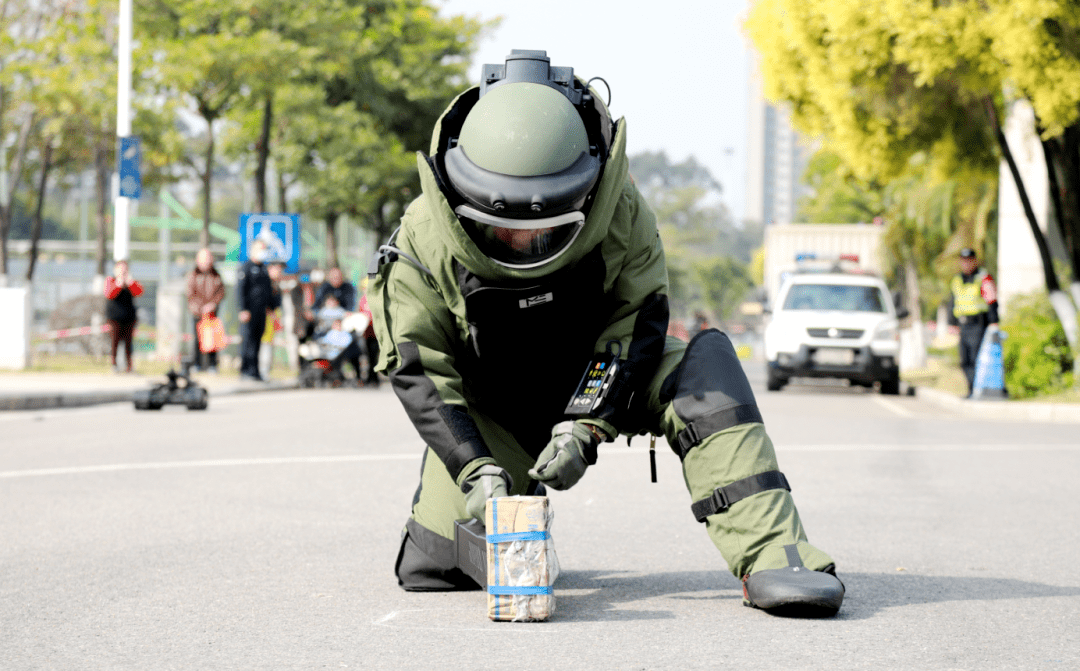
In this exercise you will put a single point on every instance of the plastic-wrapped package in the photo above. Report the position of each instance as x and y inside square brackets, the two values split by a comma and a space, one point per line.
[522, 564]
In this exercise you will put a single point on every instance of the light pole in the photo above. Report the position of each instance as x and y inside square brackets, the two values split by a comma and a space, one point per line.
[121, 226]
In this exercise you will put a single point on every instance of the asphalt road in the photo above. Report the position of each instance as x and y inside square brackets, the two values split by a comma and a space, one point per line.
[261, 535]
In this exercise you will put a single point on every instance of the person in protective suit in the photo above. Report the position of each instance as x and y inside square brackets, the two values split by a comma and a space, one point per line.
[530, 257]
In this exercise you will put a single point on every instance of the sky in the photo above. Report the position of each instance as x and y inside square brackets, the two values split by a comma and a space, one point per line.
[679, 70]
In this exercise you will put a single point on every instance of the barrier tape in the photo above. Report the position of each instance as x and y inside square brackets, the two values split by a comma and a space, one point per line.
[143, 333]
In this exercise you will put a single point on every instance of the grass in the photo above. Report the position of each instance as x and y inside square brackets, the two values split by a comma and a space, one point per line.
[943, 373]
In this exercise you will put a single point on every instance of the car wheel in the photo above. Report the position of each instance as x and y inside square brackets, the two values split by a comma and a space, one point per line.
[891, 386]
[773, 380]
[197, 399]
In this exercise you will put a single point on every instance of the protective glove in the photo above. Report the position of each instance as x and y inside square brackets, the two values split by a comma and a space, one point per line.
[571, 450]
[480, 480]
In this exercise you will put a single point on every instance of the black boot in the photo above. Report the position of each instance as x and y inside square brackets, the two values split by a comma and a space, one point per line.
[794, 591]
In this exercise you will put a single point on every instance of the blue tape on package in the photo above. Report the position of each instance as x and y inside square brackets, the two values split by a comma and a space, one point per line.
[519, 591]
[518, 536]
[494, 524]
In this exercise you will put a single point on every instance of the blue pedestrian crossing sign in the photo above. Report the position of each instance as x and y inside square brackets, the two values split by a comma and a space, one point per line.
[280, 232]
[130, 156]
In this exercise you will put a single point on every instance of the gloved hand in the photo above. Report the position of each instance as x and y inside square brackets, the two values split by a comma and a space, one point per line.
[571, 450]
[480, 480]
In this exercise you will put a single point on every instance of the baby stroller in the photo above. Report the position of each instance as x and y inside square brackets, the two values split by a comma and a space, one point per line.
[323, 353]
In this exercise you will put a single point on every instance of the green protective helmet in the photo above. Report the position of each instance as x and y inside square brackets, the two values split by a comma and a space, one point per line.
[525, 161]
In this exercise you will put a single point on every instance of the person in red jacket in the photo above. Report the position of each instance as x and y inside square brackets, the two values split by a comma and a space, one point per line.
[121, 290]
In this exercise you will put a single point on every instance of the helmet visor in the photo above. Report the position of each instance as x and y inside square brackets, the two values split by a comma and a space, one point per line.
[521, 243]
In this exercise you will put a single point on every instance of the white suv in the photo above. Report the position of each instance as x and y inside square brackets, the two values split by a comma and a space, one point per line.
[840, 325]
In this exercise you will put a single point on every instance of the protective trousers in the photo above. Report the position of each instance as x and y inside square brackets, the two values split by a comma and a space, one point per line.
[701, 401]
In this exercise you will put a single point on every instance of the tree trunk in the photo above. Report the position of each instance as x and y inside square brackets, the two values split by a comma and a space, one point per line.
[331, 240]
[208, 181]
[282, 188]
[7, 207]
[1049, 275]
[1063, 306]
[102, 173]
[1062, 156]
[382, 235]
[36, 222]
[263, 149]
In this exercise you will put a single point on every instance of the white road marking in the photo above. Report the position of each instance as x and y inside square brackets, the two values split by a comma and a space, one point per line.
[209, 463]
[386, 618]
[892, 406]
[356, 458]
[931, 447]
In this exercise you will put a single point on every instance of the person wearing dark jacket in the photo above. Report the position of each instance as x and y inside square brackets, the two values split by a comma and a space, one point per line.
[205, 291]
[121, 290]
[336, 286]
[255, 295]
[345, 293]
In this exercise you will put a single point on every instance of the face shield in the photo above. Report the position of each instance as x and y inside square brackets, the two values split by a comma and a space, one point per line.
[521, 243]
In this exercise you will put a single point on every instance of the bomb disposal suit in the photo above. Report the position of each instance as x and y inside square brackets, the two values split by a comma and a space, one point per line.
[529, 259]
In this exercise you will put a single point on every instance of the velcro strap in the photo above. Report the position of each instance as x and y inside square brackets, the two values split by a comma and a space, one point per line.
[723, 497]
[715, 422]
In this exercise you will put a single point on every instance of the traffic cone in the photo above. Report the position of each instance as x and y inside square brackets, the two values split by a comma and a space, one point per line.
[989, 367]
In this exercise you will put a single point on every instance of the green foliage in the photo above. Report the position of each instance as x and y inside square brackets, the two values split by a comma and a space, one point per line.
[1036, 354]
[838, 197]
[883, 84]
[705, 248]
[724, 282]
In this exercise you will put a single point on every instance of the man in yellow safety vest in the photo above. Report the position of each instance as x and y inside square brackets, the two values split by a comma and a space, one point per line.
[974, 307]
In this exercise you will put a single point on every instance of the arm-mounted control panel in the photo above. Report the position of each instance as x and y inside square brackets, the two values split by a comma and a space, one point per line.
[596, 384]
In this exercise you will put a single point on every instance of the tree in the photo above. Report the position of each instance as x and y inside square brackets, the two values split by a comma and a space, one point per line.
[883, 82]
[702, 242]
[24, 24]
[725, 282]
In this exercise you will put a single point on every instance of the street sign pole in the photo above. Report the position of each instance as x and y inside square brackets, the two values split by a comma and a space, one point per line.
[121, 225]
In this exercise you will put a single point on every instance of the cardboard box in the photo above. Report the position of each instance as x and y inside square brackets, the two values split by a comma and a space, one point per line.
[522, 566]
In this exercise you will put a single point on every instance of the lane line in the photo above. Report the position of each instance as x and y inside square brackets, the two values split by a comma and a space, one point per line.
[209, 463]
[930, 447]
[610, 451]
[892, 406]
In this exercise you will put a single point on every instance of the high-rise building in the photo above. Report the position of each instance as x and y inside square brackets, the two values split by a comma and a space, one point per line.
[776, 159]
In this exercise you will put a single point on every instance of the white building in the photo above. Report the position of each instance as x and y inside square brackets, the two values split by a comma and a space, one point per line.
[776, 158]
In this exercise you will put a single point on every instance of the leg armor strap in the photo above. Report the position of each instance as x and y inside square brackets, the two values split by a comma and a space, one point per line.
[723, 497]
[715, 422]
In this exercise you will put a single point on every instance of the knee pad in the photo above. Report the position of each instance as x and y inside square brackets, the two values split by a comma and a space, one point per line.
[709, 390]
[427, 562]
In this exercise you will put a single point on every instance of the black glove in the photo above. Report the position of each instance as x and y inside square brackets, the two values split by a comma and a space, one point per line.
[480, 480]
[571, 450]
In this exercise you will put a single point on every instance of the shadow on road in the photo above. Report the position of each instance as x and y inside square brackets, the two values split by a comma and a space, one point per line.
[870, 593]
[867, 593]
[612, 588]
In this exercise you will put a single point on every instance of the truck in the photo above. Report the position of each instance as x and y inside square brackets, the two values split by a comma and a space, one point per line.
[788, 244]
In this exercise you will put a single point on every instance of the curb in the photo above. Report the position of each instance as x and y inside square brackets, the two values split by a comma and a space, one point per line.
[60, 399]
[1011, 411]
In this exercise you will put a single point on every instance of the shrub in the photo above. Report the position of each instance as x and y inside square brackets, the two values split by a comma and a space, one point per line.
[1036, 354]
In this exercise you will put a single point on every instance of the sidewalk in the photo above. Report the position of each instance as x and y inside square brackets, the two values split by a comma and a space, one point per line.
[37, 391]
[1004, 410]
